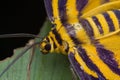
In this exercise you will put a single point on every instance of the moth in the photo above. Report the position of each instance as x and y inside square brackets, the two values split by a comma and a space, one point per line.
[88, 32]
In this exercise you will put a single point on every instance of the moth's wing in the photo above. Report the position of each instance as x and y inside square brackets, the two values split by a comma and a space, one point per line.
[102, 6]
[86, 64]
[49, 9]
[78, 69]
[109, 52]
[60, 10]
[91, 4]
[98, 61]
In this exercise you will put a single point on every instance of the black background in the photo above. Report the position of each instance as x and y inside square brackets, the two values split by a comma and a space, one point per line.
[19, 16]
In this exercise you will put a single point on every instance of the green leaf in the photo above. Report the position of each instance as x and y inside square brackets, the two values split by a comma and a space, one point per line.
[52, 66]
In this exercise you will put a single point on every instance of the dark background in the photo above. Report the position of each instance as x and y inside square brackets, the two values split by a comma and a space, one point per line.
[19, 16]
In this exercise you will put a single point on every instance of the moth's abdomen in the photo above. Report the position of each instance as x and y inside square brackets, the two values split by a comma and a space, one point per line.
[102, 25]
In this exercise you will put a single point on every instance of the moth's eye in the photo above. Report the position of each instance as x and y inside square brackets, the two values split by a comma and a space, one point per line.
[45, 47]
[48, 47]
[54, 25]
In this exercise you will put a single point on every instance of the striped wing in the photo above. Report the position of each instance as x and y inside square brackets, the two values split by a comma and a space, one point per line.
[57, 9]
[69, 10]
[100, 61]
[78, 68]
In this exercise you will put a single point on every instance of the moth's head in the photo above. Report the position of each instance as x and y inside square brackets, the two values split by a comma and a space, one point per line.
[48, 44]
[53, 43]
[45, 46]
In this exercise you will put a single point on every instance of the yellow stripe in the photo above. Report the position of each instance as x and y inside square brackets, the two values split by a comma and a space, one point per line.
[94, 27]
[55, 9]
[93, 55]
[114, 19]
[56, 14]
[103, 23]
[72, 13]
[57, 44]
[84, 66]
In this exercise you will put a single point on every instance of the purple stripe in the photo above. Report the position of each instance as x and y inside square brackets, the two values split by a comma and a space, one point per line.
[62, 10]
[95, 19]
[117, 13]
[81, 4]
[54, 44]
[57, 36]
[76, 66]
[109, 22]
[89, 63]
[49, 9]
[108, 58]
[107, 0]
[86, 25]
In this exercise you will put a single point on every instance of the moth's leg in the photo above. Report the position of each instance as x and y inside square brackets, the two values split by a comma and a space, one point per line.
[30, 60]
[74, 75]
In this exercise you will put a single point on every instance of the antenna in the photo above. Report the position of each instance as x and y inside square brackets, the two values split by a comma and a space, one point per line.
[18, 35]
[26, 48]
